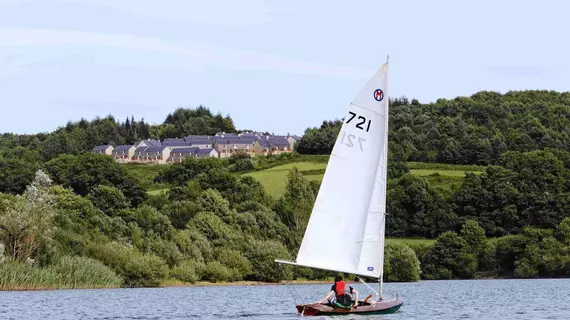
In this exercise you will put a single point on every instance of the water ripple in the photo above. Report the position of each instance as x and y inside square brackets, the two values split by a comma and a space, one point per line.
[426, 300]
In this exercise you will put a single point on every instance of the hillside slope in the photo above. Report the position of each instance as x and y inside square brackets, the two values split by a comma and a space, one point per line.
[438, 175]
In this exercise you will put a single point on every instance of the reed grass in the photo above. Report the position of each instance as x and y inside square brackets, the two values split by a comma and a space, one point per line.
[67, 273]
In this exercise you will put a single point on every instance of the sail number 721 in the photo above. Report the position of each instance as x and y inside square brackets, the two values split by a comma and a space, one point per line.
[348, 140]
[361, 120]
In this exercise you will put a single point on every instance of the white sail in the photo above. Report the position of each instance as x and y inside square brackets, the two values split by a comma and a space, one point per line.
[372, 253]
[344, 230]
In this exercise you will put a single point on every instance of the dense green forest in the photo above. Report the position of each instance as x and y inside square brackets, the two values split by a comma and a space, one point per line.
[70, 218]
[466, 130]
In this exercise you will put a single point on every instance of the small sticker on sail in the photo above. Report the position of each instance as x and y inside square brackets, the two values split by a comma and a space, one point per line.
[378, 95]
[370, 268]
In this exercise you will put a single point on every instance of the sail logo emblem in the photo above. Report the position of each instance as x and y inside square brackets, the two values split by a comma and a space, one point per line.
[370, 268]
[378, 95]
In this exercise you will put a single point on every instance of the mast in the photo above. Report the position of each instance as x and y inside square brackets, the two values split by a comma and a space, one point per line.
[385, 164]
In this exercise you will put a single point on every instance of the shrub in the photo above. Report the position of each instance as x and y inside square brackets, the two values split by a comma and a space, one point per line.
[138, 270]
[262, 255]
[217, 272]
[235, 261]
[401, 263]
[185, 272]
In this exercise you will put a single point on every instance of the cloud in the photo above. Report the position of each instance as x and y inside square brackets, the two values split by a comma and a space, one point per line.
[27, 37]
[203, 54]
[227, 13]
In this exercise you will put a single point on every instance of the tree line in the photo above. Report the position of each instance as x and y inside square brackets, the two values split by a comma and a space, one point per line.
[81, 136]
[465, 130]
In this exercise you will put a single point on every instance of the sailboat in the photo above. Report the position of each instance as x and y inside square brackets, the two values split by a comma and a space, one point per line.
[345, 232]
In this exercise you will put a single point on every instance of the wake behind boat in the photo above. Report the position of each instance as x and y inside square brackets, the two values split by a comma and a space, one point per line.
[351, 203]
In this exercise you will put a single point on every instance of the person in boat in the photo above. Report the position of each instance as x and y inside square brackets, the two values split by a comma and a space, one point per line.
[342, 293]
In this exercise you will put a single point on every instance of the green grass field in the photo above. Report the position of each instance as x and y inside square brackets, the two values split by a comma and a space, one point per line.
[446, 177]
[275, 179]
[443, 166]
[442, 178]
[446, 173]
[157, 191]
[410, 241]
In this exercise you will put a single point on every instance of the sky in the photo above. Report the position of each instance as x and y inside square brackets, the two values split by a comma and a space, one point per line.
[277, 66]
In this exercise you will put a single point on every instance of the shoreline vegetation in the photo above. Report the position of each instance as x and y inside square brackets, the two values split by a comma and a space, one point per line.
[163, 284]
[177, 283]
[477, 188]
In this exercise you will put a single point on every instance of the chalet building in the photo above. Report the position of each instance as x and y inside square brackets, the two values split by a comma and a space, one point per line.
[178, 155]
[290, 139]
[226, 148]
[280, 145]
[124, 153]
[206, 153]
[242, 146]
[223, 148]
[221, 145]
[202, 143]
[106, 149]
[262, 148]
[140, 154]
[272, 146]
[156, 155]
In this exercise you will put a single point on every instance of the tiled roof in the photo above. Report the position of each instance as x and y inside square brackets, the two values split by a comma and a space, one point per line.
[277, 138]
[278, 142]
[184, 150]
[188, 138]
[195, 142]
[240, 141]
[101, 148]
[226, 134]
[123, 147]
[264, 143]
[175, 143]
[204, 151]
[150, 143]
[140, 149]
[155, 149]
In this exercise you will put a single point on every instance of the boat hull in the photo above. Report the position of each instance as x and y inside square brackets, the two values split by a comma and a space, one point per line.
[373, 307]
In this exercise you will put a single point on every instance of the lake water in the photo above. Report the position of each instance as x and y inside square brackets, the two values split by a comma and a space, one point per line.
[426, 300]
